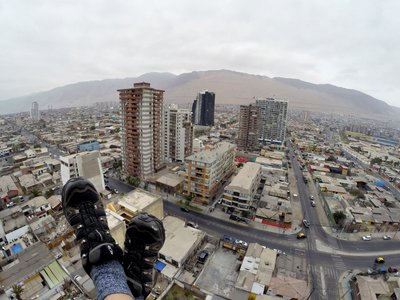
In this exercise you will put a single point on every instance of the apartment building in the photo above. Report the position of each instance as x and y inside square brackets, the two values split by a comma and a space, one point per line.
[35, 114]
[177, 133]
[84, 164]
[249, 127]
[141, 109]
[239, 194]
[273, 120]
[208, 170]
[203, 109]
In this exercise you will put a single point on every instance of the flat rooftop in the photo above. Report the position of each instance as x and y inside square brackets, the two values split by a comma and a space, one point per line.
[179, 239]
[138, 200]
[209, 156]
[245, 177]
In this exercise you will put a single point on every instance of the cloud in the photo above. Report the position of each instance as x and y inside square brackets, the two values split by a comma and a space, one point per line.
[353, 44]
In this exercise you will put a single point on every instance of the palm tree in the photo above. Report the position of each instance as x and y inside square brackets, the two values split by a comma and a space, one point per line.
[35, 192]
[17, 290]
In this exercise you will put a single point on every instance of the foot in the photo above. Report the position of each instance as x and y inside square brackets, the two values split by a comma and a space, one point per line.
[144, 238]
[84, 211]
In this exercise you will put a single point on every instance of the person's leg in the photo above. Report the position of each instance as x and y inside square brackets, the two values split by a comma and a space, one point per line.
[101, 256]
[144, 238]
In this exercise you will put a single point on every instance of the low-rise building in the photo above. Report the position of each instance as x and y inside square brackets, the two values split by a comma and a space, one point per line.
[180, 243]
[140, 200]
[257, 269]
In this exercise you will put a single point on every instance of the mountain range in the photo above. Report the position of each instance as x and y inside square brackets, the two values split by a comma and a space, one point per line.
[230, 87]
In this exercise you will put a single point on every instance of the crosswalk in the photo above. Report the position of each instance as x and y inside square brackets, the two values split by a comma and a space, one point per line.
[326, 277]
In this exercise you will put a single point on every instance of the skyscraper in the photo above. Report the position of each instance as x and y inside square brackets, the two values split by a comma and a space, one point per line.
[203, 109]
[141, 108]
[249, 127]
[273, 120]
[35, 111]
[177, 133]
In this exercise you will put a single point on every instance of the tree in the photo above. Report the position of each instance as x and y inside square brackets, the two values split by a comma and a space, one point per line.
[376, 160]
[339, 217]
[35, 192]
[132, 180]
[17, 290]
[117, 164]
[331, 158]
[49, 193]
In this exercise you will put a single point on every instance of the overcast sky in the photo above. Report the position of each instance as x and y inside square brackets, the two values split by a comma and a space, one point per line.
[353, 44]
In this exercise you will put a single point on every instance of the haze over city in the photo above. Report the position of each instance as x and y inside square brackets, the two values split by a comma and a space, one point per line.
[46, 44]
[199, 151]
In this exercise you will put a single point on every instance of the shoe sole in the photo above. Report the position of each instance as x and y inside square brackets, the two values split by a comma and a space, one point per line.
[76, 185]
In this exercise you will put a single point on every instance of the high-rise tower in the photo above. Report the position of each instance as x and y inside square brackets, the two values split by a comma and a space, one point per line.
[273, 116]
[141, 108]
[249, 127]
[35, 111]
[203, 109]
[177, 133]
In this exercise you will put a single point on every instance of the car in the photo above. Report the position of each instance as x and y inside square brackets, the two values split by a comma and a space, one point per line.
[367, 238]
[184, 209]
[387, 237]
[228, 238]
[313, 203]
[306, 223]
[312, 197]
[115, 191]
[241, 243]
[108, 188]
[234, 217]
[301, 235]
[192, 224]
[77, 278]
[10, 204]
[203, 256]
[380, 260]
[393, 270]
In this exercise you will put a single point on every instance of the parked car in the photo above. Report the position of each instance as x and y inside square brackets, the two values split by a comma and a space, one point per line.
[367, 238]
[192, 224]
[241, 243]
[203, 256]
[108, 188]
[301, 236]
[313, 203]
[10, 204]
[228, 238]
[387, 237]
[311, 197]
[306, 223]
[115, 191]
[184, 209]
[234, 217]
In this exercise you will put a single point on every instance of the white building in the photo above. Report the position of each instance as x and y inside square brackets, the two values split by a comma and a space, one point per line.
[35, 115]
[84, 164]
[273, 120]
[177, 133]
[239, 194]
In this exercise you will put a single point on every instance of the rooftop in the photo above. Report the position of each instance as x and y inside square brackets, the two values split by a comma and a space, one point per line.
[244, 179]
[209, 156]
[6, 184]
[138, 200]
[179, 239]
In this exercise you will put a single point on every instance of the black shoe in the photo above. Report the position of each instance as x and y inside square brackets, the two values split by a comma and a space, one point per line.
[144, 237]
[84, 211]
